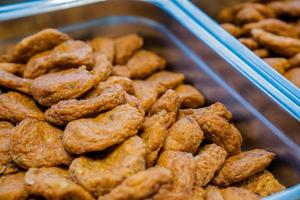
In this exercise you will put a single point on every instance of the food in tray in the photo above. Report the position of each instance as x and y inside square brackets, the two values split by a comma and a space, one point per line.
[104, 119]
[271, 30]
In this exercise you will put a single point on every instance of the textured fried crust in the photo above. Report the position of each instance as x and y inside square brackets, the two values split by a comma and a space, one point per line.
[234, 193]
[36, 43]
[146, 93]
[14, 82]
[182, 166]
[51, 88]
[38, 144]
[53, 183]
[12, 187]
[154, 134]
[286, 8]
[69, 110]
[232, 29]
[13, 68]
[140, 185]
[198, 193]
[104, 45]
[284, 46]
[102, 67]
[126, 46]
[215, 109]
[126, 83]
[143, 63]
[106, 130]
[279, 64]
[184, 135]
[190, 96]
[293, 76]
[243, 165]
[276, 26]
[121, 70]
[16, 107]
[165, 80]
[250, 43]
[7, 166]
[100, 176]
[208, 162]
[262, 184]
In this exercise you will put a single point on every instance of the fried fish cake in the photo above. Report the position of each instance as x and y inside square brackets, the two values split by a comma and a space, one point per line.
[154, 133]
[293, 76]
[73, 53]
[165, 80]
[262, 184]
[14, 82]
[286, 8]
[100, 176]
[232, 29]
[280, 45]
[146, 93]
[279, 64]
[184, 135]
[126, 83]
[36, 43]
[38, 144]
[234, 193]
[190, 96]
[53, 183]
[106, 130]
[243, 165]
[143, 63]
[262, 53]
[69, 110]
[125, 47]
[121, 70]
[13, 68]
[250, 43]
[7, 166]
[140, 185]
[51, 88]
[102, 67]
[208, 162]
[12, 187]
[104, 45]
[182, 166]
[295, 60]
[15, 107]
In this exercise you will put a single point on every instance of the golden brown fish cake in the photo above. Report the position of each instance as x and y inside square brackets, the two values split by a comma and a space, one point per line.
[12, 187]
[295, 60]
[146, 93]
[198, 193]
[14, 82]
[15, 107]
[38, 144]
[208, 162]
[121, 70]
[125, 47]
[51, 88]
[213, 193]
[53, 183]
[190, 96]
[69, 110]
[182, 166]
[275, 26]
[293, 75]
[36, 43]
[154, 133]
[104, 45]
[232, 29]
[73, 53]
[262, 184]
[250, 43]
[286, 8]
[7, 166]
[100, 176]
[284, 46]
[184, 135]
[165, 80]
[125, 83]
[143, 63]
[243, 165]
[262, 53]
[234, 193]
[106, 130]
[102, 67]
[13, 68]
[140, 185]
[279, 64]
[219, 131]
[215, 109]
